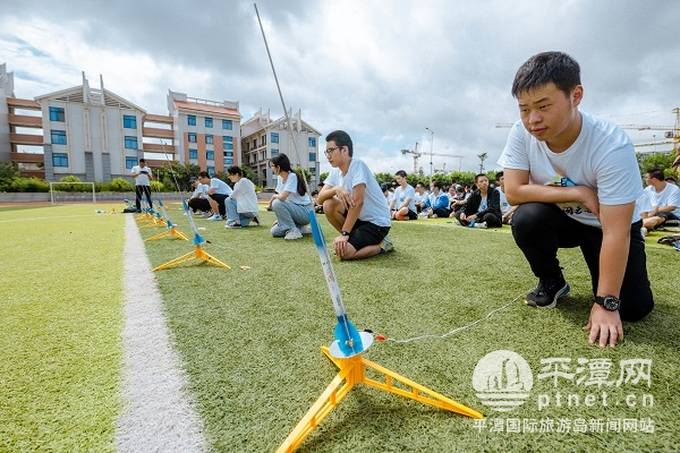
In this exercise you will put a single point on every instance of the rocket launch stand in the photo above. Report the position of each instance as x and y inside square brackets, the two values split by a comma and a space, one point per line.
[198, 254]
[352, 371]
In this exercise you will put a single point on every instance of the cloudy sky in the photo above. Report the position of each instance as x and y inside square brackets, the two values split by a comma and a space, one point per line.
[381, 70]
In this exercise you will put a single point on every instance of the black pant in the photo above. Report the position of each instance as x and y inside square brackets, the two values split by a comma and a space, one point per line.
[442, 212]
[199, 204]
[219, 198]
[540, 229]
[139, 192]
[491, 219]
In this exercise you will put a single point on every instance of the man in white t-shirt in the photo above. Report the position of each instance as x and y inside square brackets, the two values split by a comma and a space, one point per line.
[665, 200]
[354, 203]
[143, 176]
[242, 204]
[403, 205]
[576, 180]
[218, 191]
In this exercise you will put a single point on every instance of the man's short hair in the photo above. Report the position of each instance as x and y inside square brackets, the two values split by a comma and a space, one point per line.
[499, 175]
[235, 170]
[437, 184]
[341, 138]
[142, 160]
[479, 176]
[656, 174]
[401, 173]
[204, 174]
[545, 67]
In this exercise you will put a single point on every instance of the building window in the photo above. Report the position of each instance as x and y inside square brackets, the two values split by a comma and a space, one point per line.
[227, 142]
[211, 170]
[58, 137]
[275, 137]
[129, 122]
[208, 121]
[312, 171]
[227, 124]
[193, 154]
[275, 152]
[254, 143]
[228, 154]
[130, 162]
[210, 155]
[192, 137]
[264, 140]
[229, 161]
[208, 139]
[130, 142]
[60, 160]
[191, 120]
[56, 114]
[312, 142]
[312, 157]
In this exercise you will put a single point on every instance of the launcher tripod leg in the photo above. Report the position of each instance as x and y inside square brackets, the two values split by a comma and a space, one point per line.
[352, 372]
[171, 233]
[198, 254]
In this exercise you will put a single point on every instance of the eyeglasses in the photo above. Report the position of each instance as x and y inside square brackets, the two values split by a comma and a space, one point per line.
[329, 151]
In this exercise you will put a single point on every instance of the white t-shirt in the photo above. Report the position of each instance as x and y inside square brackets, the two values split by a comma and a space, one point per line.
[220, 186]
[245, 196]
[602, 158]
[290, 186]
[484, 204]
[141, 179]
[375, 208]
[669, 196]
[401, 194]
[200, 190]
[505, 206]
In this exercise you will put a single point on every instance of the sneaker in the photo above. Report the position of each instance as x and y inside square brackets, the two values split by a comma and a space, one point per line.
[305, 229]
[548, 291]
[293, 234]
[232, 225]
[256, 220]
[207, 215]
[480, 225]
[386, 245]
[215, 217]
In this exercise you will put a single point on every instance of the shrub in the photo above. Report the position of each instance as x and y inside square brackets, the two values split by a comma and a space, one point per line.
[120, 185]
[157, 186]
[28, 185]
[8, 172]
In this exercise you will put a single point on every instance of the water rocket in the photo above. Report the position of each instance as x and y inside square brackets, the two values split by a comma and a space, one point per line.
[198, 239]
[348, 340]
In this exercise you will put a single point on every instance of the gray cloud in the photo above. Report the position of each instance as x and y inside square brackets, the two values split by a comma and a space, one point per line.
[386, 70]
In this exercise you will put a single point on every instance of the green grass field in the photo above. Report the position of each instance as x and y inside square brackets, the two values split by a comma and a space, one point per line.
[250, 339]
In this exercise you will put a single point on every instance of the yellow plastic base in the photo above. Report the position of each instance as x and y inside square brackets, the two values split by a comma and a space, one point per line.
[199, 255]
[352, 372]
[172, 233]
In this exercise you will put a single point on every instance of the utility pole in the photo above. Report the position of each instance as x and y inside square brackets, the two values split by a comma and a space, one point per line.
[431, 148]
[482, 158]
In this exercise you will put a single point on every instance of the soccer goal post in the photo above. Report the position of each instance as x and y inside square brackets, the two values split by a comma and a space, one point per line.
[61, 191]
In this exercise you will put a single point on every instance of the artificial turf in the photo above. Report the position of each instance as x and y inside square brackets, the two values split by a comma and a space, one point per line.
[60, 322]
[250, 339]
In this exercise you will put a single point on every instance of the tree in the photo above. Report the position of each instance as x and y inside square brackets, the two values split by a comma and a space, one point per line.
[660, 161]
[323, 176]
[9, 171]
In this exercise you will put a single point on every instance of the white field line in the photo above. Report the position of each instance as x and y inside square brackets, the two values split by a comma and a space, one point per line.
[158, 413]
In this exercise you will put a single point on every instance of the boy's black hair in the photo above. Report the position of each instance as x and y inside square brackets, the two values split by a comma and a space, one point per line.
[401, 173]
[656, 174]
[499, 175]
[204, 174]
[235, 170]
[479, 175]
[341, 138]
[545, 67]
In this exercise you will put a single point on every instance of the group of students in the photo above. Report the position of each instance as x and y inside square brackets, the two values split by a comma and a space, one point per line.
[569, 180]
[481, 206]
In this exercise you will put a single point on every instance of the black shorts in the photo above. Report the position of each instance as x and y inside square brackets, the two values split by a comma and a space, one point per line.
[667, 216]
[412, 215]
[366, 233]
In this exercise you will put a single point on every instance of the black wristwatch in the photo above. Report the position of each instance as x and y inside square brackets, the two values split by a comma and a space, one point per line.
[344, 233]
[609, 303]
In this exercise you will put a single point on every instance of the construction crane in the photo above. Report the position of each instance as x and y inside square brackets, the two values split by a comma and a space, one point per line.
[418, 154]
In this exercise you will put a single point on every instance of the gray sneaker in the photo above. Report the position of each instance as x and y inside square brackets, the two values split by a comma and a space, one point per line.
[293, 234]
[386, 245]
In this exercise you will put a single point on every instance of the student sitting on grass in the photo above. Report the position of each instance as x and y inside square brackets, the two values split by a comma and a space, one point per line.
[218, 192]
[404, 202]
[198, 202]
[439, 201]
[506, 208]
[354, 203]
[292, 203]
[483, 208]
[242, 204]
[665, 198]
[422, 198]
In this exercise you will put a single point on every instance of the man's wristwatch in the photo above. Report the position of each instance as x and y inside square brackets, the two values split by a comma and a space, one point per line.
[344, 233]
[609, 303]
